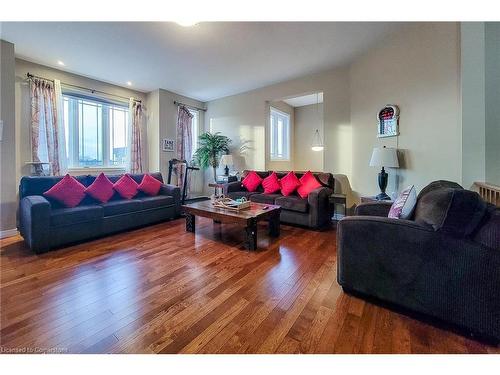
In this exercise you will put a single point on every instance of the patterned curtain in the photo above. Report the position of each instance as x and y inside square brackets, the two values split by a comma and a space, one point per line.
[136, 115]
[184, 143]
[47, 129]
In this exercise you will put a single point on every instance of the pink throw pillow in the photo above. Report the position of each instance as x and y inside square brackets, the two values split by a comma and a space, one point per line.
[252, 181]
[150, 185]
[308, 183]
[101, 189]
[289, 184]
[271, 184]
[69, 192]
[126, 187]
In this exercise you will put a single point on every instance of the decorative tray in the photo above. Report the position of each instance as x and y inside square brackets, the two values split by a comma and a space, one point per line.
[230, 204]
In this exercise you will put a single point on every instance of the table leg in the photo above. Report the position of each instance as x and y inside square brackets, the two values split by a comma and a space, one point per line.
[274, 224]
[251, 235]
[190, 223]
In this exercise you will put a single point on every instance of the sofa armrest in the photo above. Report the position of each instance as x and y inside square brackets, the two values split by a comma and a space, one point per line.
[232, 187]
[319, 206]
[381, 208]
[34, 222]
[407, 264]
[175, 192]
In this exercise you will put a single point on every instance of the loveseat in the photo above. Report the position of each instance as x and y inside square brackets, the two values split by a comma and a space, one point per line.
[442, 264]
[313, 211]
[46, 224]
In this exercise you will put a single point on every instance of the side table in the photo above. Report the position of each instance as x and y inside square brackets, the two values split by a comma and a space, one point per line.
[335, 199]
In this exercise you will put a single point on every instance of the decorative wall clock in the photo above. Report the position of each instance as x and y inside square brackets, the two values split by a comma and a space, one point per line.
[388, 121]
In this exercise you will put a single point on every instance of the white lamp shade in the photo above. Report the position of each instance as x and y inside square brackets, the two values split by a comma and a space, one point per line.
[226, 160]
[384, 157]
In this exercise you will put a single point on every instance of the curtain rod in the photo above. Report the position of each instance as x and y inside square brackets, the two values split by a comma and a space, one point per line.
[189, 106]
[30, 76]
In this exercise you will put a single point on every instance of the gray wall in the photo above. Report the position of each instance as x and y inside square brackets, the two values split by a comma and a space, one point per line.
[8, 185]
[492, 89]
[473, 103]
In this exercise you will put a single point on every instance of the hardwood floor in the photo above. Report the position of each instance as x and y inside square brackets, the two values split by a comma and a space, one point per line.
[162, 290]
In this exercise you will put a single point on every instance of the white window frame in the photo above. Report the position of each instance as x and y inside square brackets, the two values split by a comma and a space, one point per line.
[73, 132]
[274, 116]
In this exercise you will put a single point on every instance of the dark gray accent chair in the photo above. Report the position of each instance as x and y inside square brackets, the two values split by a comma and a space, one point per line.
[46, 224]
[313, 211]
[443, 264]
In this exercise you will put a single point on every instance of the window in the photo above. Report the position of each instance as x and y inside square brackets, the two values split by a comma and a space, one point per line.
[279, 135]
[96, 132]
[195, 132]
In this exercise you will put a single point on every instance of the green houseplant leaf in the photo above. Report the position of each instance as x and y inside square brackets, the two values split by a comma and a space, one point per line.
[211, 146]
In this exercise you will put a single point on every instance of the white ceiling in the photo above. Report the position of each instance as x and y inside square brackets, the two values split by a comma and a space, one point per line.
[303, 100]
[207, 61]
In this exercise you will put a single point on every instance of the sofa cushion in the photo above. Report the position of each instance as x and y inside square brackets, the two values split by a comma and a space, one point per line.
[292, 203]
[264, 198]
[75, 215]
[289, 184]
[101, 189]
[453, 211]
[251, 181]
[271, 184]
[69, 192]
[155, 202]
[308, 183]
[241, 194]
[150, 185]
[488, 232]
[121, 207]
[126, 187]
[439, 184]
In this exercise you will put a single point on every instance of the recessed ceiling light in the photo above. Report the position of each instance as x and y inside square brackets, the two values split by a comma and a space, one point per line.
[59, 62]
[129, 83]
[186, 23]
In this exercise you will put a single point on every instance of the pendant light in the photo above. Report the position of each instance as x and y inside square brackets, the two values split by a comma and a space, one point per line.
[317, 143]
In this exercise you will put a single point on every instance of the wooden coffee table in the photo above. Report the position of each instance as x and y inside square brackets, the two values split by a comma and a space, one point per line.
[248, 218]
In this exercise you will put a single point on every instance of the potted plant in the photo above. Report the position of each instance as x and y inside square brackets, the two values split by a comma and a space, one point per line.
[210, 149]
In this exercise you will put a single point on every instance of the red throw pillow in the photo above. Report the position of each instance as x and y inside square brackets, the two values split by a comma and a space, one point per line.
[308, 183]
[126, 187]
[252, 181]
[289, 184]
[69, 192]
[271, 184]
[101, 189]
[150, 185]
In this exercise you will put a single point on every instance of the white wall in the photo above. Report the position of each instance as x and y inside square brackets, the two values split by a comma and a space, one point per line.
[308, 118]
[23, 111]
[244, 118]
[417, 69]
[8, 183]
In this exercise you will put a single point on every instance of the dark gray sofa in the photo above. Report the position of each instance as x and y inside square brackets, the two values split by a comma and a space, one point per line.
[443, 264]
[46, 224]
[313, 211]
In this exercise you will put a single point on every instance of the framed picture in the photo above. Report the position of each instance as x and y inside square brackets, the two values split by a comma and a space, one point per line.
[388, 121]
[167, 145]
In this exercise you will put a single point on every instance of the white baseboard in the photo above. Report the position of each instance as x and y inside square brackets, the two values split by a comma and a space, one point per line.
[8, 233]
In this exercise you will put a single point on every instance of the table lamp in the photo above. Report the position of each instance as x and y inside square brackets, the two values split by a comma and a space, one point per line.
[226, 160]
[384, 157]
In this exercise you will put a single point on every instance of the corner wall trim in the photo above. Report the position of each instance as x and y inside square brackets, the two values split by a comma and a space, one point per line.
[8, 233]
